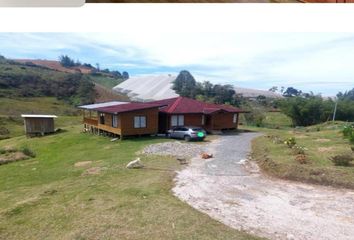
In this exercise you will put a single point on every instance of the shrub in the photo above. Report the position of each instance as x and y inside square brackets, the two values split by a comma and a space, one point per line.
[299, 149]
[28, 152]
[342, 160]
[290, 142]
[348, 131]
[2, 151]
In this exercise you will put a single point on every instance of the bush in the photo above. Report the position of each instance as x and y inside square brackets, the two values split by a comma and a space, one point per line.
[28, 152]
[255, 118]
[348, 131]
[342, 160]
[2, 151]
[299, 150]
[290, 142]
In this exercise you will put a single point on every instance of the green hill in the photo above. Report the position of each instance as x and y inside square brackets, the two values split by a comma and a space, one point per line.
[29, 88]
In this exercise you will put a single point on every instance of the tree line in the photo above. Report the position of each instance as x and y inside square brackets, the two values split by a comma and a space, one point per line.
[68, 62]
[308, 109]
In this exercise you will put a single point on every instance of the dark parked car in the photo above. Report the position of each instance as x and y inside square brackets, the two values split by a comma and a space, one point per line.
[187, 133]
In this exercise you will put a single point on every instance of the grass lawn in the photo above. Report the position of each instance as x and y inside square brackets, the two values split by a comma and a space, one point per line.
[321, 142]
[48, 197]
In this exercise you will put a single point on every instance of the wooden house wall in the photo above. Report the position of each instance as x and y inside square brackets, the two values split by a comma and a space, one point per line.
[127, 122]
[223, 120]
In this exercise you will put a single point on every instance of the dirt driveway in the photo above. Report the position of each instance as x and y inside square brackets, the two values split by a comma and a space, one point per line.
[233, 191]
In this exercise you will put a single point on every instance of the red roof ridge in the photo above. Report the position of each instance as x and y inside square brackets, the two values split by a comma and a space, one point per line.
[174, 105]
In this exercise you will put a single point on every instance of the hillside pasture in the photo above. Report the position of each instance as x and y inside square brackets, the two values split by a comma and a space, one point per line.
[11, 109]
[77, 187]
[319, 143]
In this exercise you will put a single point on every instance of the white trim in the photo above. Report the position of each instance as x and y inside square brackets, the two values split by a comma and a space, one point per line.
[234, 120]
[37, 116]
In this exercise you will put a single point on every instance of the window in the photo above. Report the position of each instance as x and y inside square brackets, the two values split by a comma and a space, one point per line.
[235, 118]
[115, 121]
[101, 118]
[139, 122]
[177, 120]
[203, 119]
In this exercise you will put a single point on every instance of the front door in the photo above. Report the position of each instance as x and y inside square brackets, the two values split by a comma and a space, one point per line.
[208, 122]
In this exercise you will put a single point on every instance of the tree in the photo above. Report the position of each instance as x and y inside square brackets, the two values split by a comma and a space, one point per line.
[125, 75]
[223, 93]
[348, 95]
[306, 111]
[273, 89]
[66, 61]
[185, 84]
[291, 92]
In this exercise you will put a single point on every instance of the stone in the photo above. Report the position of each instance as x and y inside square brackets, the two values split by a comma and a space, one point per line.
[136, 164]
[290, 237]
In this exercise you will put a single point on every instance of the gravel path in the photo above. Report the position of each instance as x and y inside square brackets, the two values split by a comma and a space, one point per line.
[176, 148]
[233, 191]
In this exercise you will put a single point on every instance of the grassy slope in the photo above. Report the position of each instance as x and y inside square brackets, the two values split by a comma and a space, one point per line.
[106, 81]
[276, 120]
[278, 160]
[12, 108]
[49, 198]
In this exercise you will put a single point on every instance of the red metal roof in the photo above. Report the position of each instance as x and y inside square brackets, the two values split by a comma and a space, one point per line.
[128, 107]
[182, 105]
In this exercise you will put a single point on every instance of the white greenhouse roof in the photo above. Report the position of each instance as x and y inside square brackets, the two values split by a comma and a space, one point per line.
[37, 116]
[148, 88]
[99, 105]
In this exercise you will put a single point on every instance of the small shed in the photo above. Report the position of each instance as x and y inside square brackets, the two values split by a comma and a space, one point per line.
[38, 124]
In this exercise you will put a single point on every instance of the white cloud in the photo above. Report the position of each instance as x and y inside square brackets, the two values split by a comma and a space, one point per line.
[312, 61]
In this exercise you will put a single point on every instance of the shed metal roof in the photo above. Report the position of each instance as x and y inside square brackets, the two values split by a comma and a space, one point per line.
[37, 116]
[99, 105]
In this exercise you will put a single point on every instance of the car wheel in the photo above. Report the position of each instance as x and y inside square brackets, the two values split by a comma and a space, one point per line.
[187, 138]
[168, 135]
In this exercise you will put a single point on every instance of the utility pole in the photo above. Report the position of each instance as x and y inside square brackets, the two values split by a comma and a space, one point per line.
[335, 111]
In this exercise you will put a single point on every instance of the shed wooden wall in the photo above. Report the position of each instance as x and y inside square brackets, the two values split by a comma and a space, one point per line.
[39, 125]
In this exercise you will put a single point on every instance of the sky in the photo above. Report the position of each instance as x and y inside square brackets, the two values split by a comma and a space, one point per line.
[318, 62]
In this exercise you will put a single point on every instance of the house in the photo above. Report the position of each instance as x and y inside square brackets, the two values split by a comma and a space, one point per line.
[181, 111]
[38, 124]
[148, 118]
[121, 118]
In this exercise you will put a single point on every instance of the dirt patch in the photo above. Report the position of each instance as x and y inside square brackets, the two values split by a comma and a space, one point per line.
[12, 157]
[83, 164]
[93, 171]
[325, 149]
[322, 140]
[301, 136]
